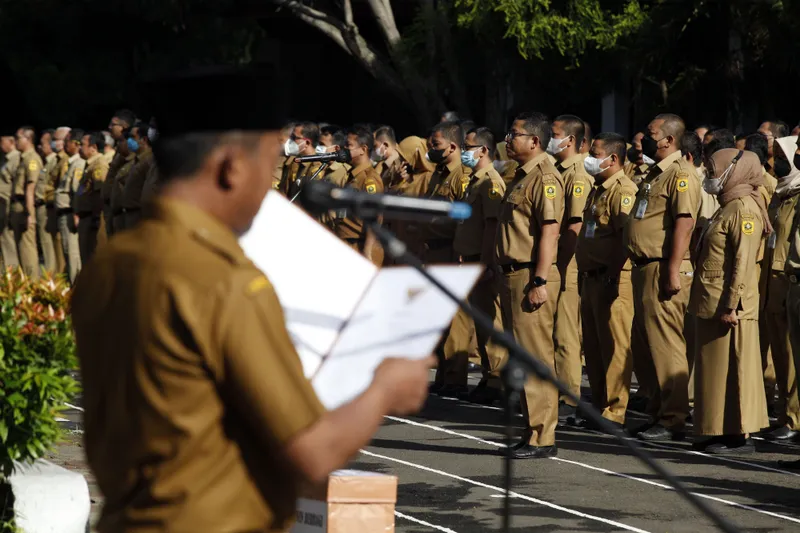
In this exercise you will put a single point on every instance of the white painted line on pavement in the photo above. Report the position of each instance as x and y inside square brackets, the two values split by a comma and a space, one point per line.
[423, 522]
[73, 406]
[516, 495]
[655, 444]
[603, 470]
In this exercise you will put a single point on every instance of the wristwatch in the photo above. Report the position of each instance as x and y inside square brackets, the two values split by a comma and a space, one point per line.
[539, 281]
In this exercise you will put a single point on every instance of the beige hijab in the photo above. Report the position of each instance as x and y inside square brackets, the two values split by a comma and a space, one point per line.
[413, 150]
[788, 185]
[744, 179]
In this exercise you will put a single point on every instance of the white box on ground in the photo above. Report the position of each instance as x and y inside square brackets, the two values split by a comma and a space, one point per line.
[49, 499]
[351, 501]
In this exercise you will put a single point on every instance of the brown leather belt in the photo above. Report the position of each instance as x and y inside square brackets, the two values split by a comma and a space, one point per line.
[515, 267]
[639, 263]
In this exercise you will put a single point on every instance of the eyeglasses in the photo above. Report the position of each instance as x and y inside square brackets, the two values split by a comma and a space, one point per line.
[465, 147]
[511, 135]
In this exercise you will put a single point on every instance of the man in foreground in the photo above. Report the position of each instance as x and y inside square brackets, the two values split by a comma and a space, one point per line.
[198, 415]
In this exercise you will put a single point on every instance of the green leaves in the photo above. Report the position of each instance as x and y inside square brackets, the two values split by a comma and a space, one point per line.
[38, 353]
[569, 27]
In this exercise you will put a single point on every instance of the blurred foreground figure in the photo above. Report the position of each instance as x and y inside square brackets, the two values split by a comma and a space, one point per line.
[198, 415]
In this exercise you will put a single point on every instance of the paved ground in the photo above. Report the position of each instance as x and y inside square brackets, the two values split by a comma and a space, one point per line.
[449, 463]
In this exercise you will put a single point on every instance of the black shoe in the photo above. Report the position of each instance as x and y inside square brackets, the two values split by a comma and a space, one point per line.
[701, 446]
[782, 434]
[659, 432]
[485, 396]
[535, 452]
[453, 391]
[521, 444]
[737, 445]
[565, 411]
[472, 368]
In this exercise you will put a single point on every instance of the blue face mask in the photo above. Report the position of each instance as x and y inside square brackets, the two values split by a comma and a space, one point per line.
[54, 146]
[468, 159]
[133, 146]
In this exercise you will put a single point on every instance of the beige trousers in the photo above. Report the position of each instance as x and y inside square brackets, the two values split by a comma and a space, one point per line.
[567, 335]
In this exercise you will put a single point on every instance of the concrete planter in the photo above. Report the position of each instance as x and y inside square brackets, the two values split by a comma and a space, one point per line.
[49, 499]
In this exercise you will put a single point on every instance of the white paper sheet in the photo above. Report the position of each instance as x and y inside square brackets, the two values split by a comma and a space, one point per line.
[342, 308]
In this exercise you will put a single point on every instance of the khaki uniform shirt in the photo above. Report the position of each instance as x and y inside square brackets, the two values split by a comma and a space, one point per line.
[151, 185]
[636, 173]
[708, 203]
[671, 189]
[781, 212]
[792, 265]
[770, 183]
[203, 370]
[608, 208]
[362, 178]
[29, 171]
[337, 174]
[577, 185]
[46, 187]
[109, 156]
[726, 276]
[7, 173]
[68, 185]
[88, 198]
[278, 173]
[533, 198]
[484, 195]
[132, 193]
[447, 183]
[63, 165]
[108, 186]
[118, 188]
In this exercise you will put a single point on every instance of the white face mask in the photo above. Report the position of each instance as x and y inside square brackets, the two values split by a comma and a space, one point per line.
[554, 146]
[152, 134]
[592, 165]
[290, 148]
[500, 166]
[714, 185]
[378, 155]
[648, 161]
[320, 149]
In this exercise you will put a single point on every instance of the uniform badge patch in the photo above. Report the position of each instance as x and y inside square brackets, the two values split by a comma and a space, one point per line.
[97, 173]
[78, 174]
[494, 193]
[577, 189]
[683, 182]
[372, 188]
[747, 227]
[627, 200]
[33, 166]
[550, 192]
[258, 284]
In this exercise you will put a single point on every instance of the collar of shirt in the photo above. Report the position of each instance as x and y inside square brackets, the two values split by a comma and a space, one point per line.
[74, 158]
[145, 153]
[201, 225]
[608, 182]
[478, 174]
[571, 161]
[50, 157]
[449, 168]
[667, 161]
[62, 154]
[528, 167]
[93, 159]
[360, 169]
[30, 151]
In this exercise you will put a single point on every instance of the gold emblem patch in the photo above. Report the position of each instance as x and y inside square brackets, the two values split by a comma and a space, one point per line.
[33, 166]
[577, 189]
[97, 173]
[683, 184]
[78, 174]
[550, 191]
[258, 284]
[627, 200]
[372, 188]
[747, 227]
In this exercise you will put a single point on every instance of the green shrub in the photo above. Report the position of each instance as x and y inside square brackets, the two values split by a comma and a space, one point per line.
[37, 353]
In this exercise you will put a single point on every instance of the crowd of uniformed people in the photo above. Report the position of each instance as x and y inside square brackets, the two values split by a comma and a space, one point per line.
[667, 255]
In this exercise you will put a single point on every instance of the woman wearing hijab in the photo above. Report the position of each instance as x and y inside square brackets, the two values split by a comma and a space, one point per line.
[781, 211]
[414, 181]
[729, 391]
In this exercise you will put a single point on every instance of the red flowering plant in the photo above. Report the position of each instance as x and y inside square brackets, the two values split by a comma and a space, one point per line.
[37, 356]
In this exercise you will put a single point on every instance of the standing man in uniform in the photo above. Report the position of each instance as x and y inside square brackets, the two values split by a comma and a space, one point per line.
[65, 204]
[638, 164]
[225, 417]
[772, 130]
[109, 151]
[362, 177]
[88, 197]
[120, 178]
[337, 172]
[120, 123]
[139, 143]
[23, 204]
[657, 239]
[44, 203]
[526, 249]
[302, 142]
[474, 243]
[567, 133]
[7, 173]
[62, 165]
[391, 163]
[607, 293]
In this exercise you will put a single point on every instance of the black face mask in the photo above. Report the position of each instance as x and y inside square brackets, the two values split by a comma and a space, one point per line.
[436, 156]
[796, 160]
[649, 146]
[782, 168]
[633, 155]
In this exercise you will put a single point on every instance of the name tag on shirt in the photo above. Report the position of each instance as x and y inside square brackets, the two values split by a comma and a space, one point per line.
[641, 209]
[591, 226]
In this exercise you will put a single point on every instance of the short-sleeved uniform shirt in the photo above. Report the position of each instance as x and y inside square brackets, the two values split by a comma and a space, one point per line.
[132, 194]
[336, 174]
[533, 198]
[577, 185]
[781, 212]
[191, 384]
[69, 182]
[607, 210]
[484, 195]
[29, 171]
[46, 187]
[88, 197]
[670, 190]
[362, 178]
[448, 183]
[726, 276]
[7, 173]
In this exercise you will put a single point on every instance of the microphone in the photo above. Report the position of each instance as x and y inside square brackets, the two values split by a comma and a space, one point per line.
[321, 197]
[342, 156]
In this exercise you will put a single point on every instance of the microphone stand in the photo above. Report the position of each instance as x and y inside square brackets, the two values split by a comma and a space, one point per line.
[323, 166]
[521, 362]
